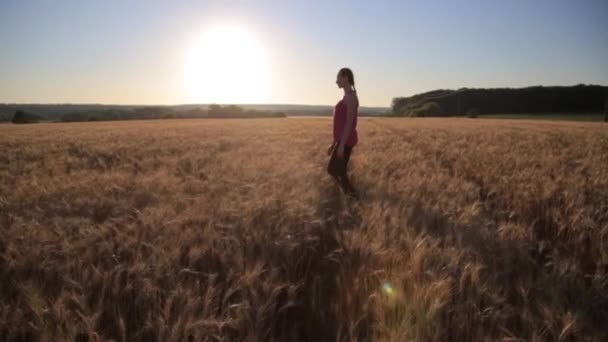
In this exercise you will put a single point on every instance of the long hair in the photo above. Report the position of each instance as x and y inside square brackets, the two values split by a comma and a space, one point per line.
[349, 76]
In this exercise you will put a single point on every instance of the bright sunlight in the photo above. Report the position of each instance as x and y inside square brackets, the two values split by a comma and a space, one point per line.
[227, 64]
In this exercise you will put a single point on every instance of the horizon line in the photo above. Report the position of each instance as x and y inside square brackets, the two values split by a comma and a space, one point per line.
[172, 105]
[285, 104]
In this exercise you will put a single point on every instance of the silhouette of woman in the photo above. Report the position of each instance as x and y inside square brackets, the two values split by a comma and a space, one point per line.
[345, 131]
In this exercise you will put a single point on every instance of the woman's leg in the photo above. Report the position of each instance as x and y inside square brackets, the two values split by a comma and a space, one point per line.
[345, 183]
[337, 168]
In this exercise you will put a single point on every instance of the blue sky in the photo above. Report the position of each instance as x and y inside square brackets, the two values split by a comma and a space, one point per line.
[133, 52]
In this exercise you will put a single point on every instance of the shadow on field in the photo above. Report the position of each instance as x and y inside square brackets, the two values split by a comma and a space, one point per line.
[327, 304]
[337, 211]
[297, 282]
[527, 274]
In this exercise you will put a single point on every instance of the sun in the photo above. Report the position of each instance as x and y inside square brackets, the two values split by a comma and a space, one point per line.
[227, 64]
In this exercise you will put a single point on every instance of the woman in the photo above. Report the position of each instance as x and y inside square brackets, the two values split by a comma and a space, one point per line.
[345, 131]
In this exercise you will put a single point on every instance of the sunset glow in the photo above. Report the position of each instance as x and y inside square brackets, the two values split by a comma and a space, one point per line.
[227, 64]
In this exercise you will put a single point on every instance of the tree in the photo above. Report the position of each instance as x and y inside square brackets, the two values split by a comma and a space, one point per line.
[472, 112]
[427, 109]
[215, 110]
[22, 117]
[606, 108]
[432, 109]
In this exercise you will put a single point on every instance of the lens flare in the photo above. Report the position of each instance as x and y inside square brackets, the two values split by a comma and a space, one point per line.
[388, 289]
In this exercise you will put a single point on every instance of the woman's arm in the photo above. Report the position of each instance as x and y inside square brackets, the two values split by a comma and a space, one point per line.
[351, 112]
[331, 147]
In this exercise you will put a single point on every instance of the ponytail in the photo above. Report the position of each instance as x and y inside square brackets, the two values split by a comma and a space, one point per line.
[349, 75]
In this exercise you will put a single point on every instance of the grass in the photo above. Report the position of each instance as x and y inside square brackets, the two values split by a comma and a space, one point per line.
[170, 230]
[549, 116]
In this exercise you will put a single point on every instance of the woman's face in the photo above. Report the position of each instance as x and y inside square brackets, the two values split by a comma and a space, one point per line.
[341, 81]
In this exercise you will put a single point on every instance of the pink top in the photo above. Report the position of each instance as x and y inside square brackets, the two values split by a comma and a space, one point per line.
[340, 123]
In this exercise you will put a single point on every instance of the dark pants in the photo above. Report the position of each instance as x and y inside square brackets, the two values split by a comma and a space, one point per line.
[337, 167]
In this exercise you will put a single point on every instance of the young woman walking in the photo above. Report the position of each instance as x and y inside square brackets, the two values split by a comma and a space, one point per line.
[345, 131]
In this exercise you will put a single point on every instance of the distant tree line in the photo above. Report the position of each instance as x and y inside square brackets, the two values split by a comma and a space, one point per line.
[473, 102]
[151, 112]
[232, 111]
[67, 112]
[22, 117]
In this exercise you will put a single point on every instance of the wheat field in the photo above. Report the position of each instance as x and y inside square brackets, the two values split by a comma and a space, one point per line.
[231, 230]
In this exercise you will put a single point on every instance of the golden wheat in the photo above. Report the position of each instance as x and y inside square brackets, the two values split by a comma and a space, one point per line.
[466, 230]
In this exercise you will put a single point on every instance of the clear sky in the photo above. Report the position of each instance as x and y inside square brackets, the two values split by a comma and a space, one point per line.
[151, 52]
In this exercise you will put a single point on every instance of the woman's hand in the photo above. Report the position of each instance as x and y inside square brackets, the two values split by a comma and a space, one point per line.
[331, 148]
[340, 151]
